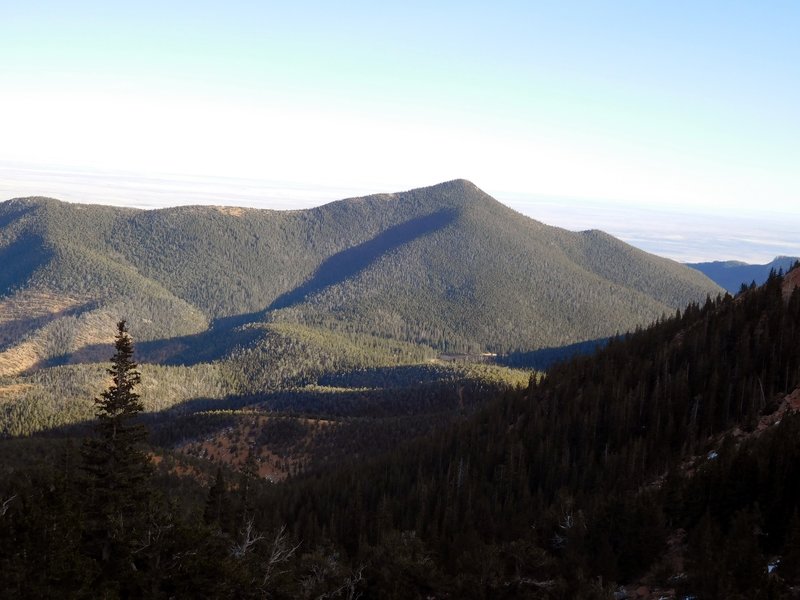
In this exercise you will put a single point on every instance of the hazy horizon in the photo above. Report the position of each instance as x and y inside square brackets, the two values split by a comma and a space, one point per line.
[682, 235]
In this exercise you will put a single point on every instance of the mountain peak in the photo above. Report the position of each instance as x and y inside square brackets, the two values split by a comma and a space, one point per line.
[456, 194]
[462, 188]
[458, 184]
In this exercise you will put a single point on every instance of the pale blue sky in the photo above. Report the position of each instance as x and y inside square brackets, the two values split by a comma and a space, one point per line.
[680, 106]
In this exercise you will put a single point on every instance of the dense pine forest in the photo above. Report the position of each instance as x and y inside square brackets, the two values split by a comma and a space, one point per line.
[447, 267]
[667, 459]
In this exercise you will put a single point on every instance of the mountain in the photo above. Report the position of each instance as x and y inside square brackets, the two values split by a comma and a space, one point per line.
[446, 266]
[732, 274]
[668, 459]
[666, 464]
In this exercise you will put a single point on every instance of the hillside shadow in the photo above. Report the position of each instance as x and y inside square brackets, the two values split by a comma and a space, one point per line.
[14, 214]
[184, 350]
[544, 358]
[12, 331]
[352, 261]
[205, 346]
[225, 333]
[20, 259]
[156, 420]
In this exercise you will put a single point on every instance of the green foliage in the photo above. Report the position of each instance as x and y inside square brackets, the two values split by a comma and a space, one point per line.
[557, 490]
[274, 370]
[61, 396]
[292, 355]
[116, 466]
[445, 266]
[573, 456]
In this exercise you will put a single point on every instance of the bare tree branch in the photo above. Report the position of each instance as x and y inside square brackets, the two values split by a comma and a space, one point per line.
[6, 504]
[280, 552]
[351, 583]
[249, 537]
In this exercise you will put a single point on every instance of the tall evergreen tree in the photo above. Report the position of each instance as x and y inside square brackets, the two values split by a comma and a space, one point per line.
[215, 502]
[117, 470]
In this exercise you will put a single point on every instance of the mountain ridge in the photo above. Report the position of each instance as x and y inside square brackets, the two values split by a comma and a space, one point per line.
[732, 274]
[446, 266]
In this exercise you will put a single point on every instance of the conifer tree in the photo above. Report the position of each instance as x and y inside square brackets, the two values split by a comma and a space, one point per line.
[117, 469]
[215, 502]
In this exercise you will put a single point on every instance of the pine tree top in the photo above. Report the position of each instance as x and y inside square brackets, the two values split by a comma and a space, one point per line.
[119, 400]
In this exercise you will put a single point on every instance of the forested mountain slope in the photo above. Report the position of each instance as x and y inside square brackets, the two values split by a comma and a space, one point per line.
[668, 460]
[446, 266]
[671, 455]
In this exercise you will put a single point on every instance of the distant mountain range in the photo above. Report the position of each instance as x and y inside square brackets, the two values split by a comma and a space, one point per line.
[732, 274]
[446, 266]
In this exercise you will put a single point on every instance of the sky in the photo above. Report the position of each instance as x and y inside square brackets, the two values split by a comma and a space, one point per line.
[674, 126]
